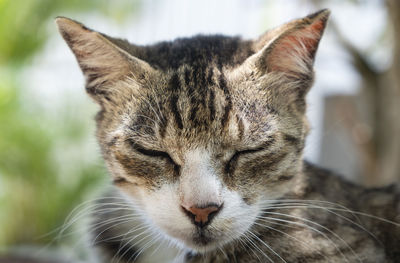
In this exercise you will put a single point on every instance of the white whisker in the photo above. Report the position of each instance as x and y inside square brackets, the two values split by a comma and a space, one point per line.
[312, 228]
[268, 246]
[290, 236]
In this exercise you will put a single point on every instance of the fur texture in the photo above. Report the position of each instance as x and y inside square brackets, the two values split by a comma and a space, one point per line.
[219, 122]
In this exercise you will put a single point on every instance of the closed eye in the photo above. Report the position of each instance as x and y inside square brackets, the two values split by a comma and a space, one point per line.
[264, 146]
[248, 151]
[230, 165]
[152, 153]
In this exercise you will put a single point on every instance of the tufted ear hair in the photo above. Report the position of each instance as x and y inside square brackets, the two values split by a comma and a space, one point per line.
[282, 63]
[291, 48]
[103, 62]
[285, 55]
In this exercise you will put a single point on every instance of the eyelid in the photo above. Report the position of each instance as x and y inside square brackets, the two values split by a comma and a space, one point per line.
[232, 161]
[264, 146]
[152, 153]
[250, 151]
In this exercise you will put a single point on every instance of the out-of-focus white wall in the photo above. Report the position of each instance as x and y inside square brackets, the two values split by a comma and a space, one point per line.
[54, 76]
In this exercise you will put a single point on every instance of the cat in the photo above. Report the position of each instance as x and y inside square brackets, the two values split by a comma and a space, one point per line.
[203, 138]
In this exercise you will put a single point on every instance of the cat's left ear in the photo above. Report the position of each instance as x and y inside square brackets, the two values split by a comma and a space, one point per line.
[290, 49]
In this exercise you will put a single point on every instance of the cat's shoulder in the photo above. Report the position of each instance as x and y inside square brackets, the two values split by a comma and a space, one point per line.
[337, 187]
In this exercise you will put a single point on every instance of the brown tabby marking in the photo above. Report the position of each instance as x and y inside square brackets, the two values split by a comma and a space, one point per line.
[213, 127]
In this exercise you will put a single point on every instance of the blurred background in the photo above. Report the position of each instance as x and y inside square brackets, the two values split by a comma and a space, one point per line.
[49, 160]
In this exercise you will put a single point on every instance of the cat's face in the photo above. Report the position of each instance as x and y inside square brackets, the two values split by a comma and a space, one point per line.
[172, 146]
[196, 142]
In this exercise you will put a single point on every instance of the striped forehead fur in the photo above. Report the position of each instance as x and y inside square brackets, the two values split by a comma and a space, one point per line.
[207, 121]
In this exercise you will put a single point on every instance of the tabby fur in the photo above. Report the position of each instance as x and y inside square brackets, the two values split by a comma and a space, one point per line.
[220, 121]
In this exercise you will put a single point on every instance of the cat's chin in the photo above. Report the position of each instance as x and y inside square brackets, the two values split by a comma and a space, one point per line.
[203, 243]
[205, 240]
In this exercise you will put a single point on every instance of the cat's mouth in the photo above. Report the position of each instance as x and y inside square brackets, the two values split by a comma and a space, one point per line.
[205, 239]
[202, 237]
[202, 240]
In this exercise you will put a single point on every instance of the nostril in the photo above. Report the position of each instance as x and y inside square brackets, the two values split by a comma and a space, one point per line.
[188, 213]
[202, 215]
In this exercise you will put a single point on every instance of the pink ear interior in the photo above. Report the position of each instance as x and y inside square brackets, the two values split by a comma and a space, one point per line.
[294, 51]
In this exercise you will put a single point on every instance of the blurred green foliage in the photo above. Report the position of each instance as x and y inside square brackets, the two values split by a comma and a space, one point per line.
[39, 183]
[23, 22]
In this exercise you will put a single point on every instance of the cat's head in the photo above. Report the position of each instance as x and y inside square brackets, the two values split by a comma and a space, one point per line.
[200, 132]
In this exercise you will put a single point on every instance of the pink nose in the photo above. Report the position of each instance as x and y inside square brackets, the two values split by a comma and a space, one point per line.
[202, 216]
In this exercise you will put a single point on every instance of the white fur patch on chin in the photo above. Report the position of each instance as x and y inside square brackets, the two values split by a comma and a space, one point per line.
[162, 210]
[235, 218]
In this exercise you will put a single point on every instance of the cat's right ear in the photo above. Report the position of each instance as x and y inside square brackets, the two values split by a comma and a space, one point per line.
[102, 62]
[290, 49]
